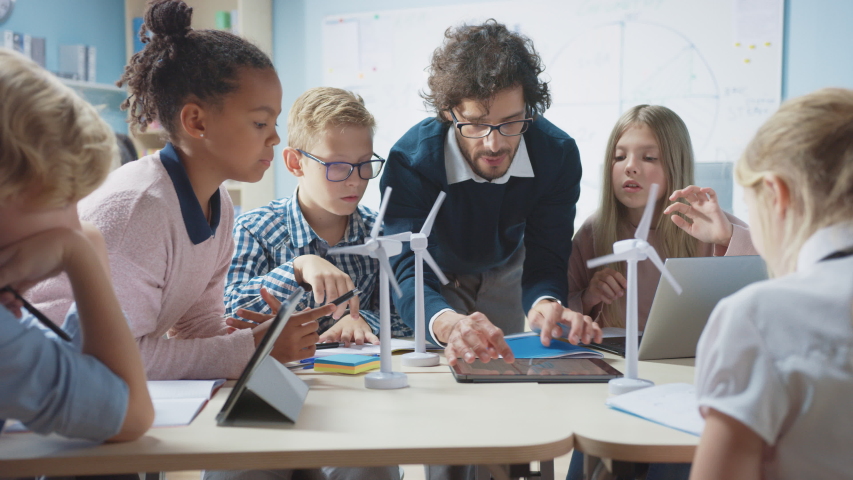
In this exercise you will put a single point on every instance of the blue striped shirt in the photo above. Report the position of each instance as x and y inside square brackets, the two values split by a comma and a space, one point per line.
[269, 238]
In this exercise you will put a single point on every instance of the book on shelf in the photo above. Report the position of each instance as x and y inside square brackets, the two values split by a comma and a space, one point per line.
[78, 62]
[32, 47]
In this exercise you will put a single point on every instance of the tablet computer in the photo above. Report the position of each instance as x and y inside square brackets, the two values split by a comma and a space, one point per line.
[253, 402]
[540, 370]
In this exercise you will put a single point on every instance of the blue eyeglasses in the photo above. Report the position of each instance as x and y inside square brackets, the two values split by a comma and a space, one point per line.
[340, 171]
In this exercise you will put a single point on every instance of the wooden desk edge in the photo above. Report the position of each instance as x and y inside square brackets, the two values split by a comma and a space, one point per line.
[635, 453]
[133, 463]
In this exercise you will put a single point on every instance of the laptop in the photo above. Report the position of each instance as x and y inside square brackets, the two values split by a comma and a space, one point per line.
[675, 322]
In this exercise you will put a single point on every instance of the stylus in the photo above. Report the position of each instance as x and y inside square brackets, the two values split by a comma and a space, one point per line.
[40, 316]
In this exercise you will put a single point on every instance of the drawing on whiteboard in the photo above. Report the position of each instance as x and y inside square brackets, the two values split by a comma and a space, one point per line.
[624, 64]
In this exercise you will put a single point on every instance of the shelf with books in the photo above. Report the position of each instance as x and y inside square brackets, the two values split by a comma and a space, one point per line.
[94, 87]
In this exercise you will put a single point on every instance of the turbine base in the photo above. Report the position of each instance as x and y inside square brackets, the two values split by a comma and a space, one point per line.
[386, 381]
[618, 386]
[418, 359]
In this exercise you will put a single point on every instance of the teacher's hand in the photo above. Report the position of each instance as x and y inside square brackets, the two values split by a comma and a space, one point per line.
[470, 337]
[547, 316]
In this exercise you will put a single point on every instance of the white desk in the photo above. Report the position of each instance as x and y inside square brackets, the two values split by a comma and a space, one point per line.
[434, 421]
[602, 432]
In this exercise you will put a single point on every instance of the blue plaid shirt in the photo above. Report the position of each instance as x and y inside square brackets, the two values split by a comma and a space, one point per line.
[269, 238]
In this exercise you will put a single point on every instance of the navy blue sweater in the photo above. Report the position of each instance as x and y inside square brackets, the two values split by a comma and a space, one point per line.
[480, 225]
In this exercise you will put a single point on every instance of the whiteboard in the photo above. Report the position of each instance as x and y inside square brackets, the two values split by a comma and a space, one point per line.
[718, 64]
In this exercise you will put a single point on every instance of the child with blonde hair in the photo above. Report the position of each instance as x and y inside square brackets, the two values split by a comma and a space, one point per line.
[774, 366]
[649, 144]
[285, 244]
[54, 150]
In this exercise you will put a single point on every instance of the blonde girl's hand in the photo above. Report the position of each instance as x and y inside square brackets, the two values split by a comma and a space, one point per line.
[38, 257]
[607, 285]
[708, 223]
[349, 330]
[327, 282]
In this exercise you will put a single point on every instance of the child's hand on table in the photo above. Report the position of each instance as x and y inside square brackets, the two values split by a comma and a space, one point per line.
[350, 330]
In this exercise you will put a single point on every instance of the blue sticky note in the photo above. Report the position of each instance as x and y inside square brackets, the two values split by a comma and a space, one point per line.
[531, 347]
[347, 359]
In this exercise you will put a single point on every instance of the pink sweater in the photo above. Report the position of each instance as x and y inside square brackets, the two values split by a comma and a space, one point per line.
[647, 275]
[165, 283]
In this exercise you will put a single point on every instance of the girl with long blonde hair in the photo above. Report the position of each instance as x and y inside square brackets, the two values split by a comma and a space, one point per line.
[649, 144]
[774, 366]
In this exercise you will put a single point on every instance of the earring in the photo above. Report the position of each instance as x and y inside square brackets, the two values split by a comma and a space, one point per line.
[202, 135]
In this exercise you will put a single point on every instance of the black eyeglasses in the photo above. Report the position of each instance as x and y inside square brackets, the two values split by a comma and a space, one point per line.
[480, 130]
[40, 316]
[340, 171]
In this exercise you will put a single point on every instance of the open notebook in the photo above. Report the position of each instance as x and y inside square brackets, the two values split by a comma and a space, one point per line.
[177, 402]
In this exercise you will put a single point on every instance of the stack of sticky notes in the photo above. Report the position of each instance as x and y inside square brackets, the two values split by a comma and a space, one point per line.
[346, 363]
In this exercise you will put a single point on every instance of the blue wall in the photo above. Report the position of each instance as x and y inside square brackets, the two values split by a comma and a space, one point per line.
[818, 47]
[63, 22]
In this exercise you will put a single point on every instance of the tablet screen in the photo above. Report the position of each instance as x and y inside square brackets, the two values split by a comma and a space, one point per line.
[536, 370]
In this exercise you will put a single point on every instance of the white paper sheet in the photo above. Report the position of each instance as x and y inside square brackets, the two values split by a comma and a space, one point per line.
[177, 402]
[673, 405]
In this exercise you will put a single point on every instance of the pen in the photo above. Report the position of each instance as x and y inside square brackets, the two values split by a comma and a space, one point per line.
[325, 346]
[343, 298]
[40, 316]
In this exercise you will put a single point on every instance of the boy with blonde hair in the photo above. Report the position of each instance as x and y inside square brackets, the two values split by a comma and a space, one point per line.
[285, 244]
[54, 150]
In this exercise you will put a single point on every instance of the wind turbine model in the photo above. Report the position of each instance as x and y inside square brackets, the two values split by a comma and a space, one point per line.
[418, 242]
[633, 251]
[381, 248]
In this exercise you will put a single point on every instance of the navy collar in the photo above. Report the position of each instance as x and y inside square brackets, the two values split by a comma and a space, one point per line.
[197, 227]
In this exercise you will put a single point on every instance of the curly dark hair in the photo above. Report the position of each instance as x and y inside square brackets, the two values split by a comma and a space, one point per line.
[179, 64]
[478, 61]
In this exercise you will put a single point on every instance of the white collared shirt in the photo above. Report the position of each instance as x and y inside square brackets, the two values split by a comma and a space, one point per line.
[458, 169]
[777, 356]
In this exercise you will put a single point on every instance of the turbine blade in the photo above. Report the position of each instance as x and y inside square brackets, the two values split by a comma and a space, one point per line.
[646, 221]
[385, 264]
[401, 237]
[427, 227]
[350, 250]
[434, 266]
[374, 232]
[612, 258]
[653, 256]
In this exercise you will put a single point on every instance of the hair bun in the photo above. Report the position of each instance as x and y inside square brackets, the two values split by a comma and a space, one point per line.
[168, 18]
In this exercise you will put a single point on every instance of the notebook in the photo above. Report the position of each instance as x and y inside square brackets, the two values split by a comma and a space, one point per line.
[346, 363]
[177, 402]
[673, 405]
[529, 345]
[397, 344]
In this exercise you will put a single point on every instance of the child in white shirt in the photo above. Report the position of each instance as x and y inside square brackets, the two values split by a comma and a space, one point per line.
[775, 364]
